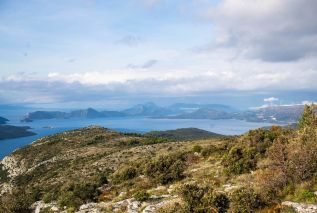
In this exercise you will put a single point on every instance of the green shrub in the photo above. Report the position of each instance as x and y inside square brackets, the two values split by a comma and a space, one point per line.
[3, 174]
[197, 148]
[124, 174]
[76, 194]
[49, 197]
[203, 199]
[308, 118]
[240, 160]
[207, 151]
[217, 201]
[86, 191]
[18, 201]
[192, 195]
[245, 200]
[68, 199]
[166, 169]
[141, 195]
[171, 208]
[304, 195]
[103, 179]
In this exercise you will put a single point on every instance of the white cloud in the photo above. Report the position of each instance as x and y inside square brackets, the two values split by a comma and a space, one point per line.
[269, 30]
[271, 99]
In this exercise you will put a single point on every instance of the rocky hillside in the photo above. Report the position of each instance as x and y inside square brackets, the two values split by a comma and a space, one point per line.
[99, 170]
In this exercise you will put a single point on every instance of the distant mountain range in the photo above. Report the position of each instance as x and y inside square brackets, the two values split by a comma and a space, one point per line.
[85, 113]
[148, 109]
[272, 114]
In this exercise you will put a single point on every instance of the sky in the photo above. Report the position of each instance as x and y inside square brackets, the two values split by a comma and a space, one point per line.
[117, 52]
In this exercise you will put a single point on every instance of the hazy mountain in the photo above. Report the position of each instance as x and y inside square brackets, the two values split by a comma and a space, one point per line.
[281, 113]
[147, 109]
[272, 114]
[3, 120]
[204, 114]
[84, 113]
[188, 107]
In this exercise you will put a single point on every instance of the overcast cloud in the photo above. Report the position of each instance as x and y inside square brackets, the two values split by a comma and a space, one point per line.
[80, 50]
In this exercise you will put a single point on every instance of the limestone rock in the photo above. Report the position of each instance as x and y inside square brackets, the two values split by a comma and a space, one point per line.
[300, 207]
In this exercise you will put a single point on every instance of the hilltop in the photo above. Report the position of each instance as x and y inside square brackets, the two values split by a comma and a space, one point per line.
[184, 134]
[96, 169]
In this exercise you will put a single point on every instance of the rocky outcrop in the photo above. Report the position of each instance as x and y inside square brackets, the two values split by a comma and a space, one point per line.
[13, 166]
[300, 207]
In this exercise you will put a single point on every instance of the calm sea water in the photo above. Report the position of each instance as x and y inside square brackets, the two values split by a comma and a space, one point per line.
[135, 124]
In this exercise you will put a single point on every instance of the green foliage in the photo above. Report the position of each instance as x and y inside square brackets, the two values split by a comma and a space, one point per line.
[153, 140]
[172, 208]
[240, 160]
[166, 169]
[203, 199]
[207, 151]
[304, 195]
[141, 195]
[77, 194]
[219, 201]
[18, 201]
[68, 199]
[3, 174]
[308, 118]
[245, 200]
[192, 195]
[197, 148]
[124, 174]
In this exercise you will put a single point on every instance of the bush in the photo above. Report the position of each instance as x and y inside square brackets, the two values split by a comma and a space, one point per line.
[166, 169]
[304, 195]
[3, 174]
[141, 195]
[308, 118]
[245, 200]
[77, 194]
[17, 202]
[207, 151]
[197, 148]
[218, 201]
[192, 195]
[240, 160]
[203, 199]
[87, 192]
[68, 199]
[124, 174]
[171, 208]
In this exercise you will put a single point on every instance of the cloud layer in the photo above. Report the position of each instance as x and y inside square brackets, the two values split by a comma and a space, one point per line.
[88, 50]
[270, 30]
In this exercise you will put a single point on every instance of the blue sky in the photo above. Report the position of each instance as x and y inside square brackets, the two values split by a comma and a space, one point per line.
[65, 51]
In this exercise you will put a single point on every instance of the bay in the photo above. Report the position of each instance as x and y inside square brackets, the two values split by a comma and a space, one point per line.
[127, 124]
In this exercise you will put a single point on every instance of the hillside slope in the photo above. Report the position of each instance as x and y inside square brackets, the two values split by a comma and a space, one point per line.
[99, 170]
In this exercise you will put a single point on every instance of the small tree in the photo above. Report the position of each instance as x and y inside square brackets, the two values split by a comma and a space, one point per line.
[308, 118]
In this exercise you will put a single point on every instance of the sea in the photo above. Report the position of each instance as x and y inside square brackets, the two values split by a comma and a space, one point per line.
[124, 124]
